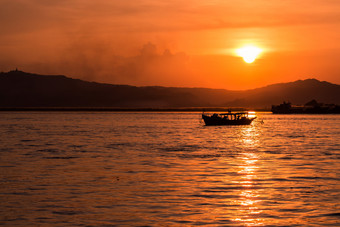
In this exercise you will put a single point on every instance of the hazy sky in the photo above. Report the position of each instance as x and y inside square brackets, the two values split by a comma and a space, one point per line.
[173, 43]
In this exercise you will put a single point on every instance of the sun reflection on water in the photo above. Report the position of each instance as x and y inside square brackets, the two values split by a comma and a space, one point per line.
[249, 196]
[249, 137]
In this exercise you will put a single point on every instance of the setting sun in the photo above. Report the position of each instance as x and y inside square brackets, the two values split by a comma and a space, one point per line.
[248, 53]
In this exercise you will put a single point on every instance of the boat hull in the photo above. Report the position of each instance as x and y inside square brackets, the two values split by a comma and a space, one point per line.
[210, 120]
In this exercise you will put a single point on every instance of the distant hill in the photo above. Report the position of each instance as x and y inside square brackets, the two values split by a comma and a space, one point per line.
[21, 89]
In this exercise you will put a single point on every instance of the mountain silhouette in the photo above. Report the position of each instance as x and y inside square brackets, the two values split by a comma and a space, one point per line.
[21, 89]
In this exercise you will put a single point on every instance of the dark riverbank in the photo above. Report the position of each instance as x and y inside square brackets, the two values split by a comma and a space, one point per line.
[108, 109]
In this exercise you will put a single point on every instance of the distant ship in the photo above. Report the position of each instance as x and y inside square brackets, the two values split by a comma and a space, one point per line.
[312, 107]
[240, 118]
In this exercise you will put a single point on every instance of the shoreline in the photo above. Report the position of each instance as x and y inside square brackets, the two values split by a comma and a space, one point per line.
[115, 109]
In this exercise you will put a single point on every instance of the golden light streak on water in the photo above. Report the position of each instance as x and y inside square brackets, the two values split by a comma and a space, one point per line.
[249, 198]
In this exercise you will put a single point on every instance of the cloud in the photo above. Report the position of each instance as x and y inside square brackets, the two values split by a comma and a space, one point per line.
[150, 67]
[96, 61]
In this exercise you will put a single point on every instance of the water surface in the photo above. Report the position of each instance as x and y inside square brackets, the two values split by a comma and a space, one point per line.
[167, 169]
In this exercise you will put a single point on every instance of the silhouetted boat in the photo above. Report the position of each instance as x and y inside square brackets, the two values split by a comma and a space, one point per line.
[312, 107]
[240, 118]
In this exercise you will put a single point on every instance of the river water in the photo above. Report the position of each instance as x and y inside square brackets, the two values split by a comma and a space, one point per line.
[167, 169]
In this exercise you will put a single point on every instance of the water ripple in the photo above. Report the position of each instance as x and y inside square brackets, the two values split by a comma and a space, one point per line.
[165, 169]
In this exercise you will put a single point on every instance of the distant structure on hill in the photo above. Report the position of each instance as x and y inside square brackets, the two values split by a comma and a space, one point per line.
[311, 107]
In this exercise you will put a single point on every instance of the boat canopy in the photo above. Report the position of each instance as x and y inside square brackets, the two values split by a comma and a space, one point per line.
[239, 113]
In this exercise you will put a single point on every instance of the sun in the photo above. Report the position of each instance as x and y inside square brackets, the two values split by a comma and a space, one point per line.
[249, 53]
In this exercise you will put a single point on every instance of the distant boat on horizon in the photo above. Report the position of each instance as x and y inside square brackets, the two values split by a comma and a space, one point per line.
[312, 107]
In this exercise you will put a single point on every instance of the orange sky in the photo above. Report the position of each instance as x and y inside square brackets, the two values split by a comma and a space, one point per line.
[173, 43]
